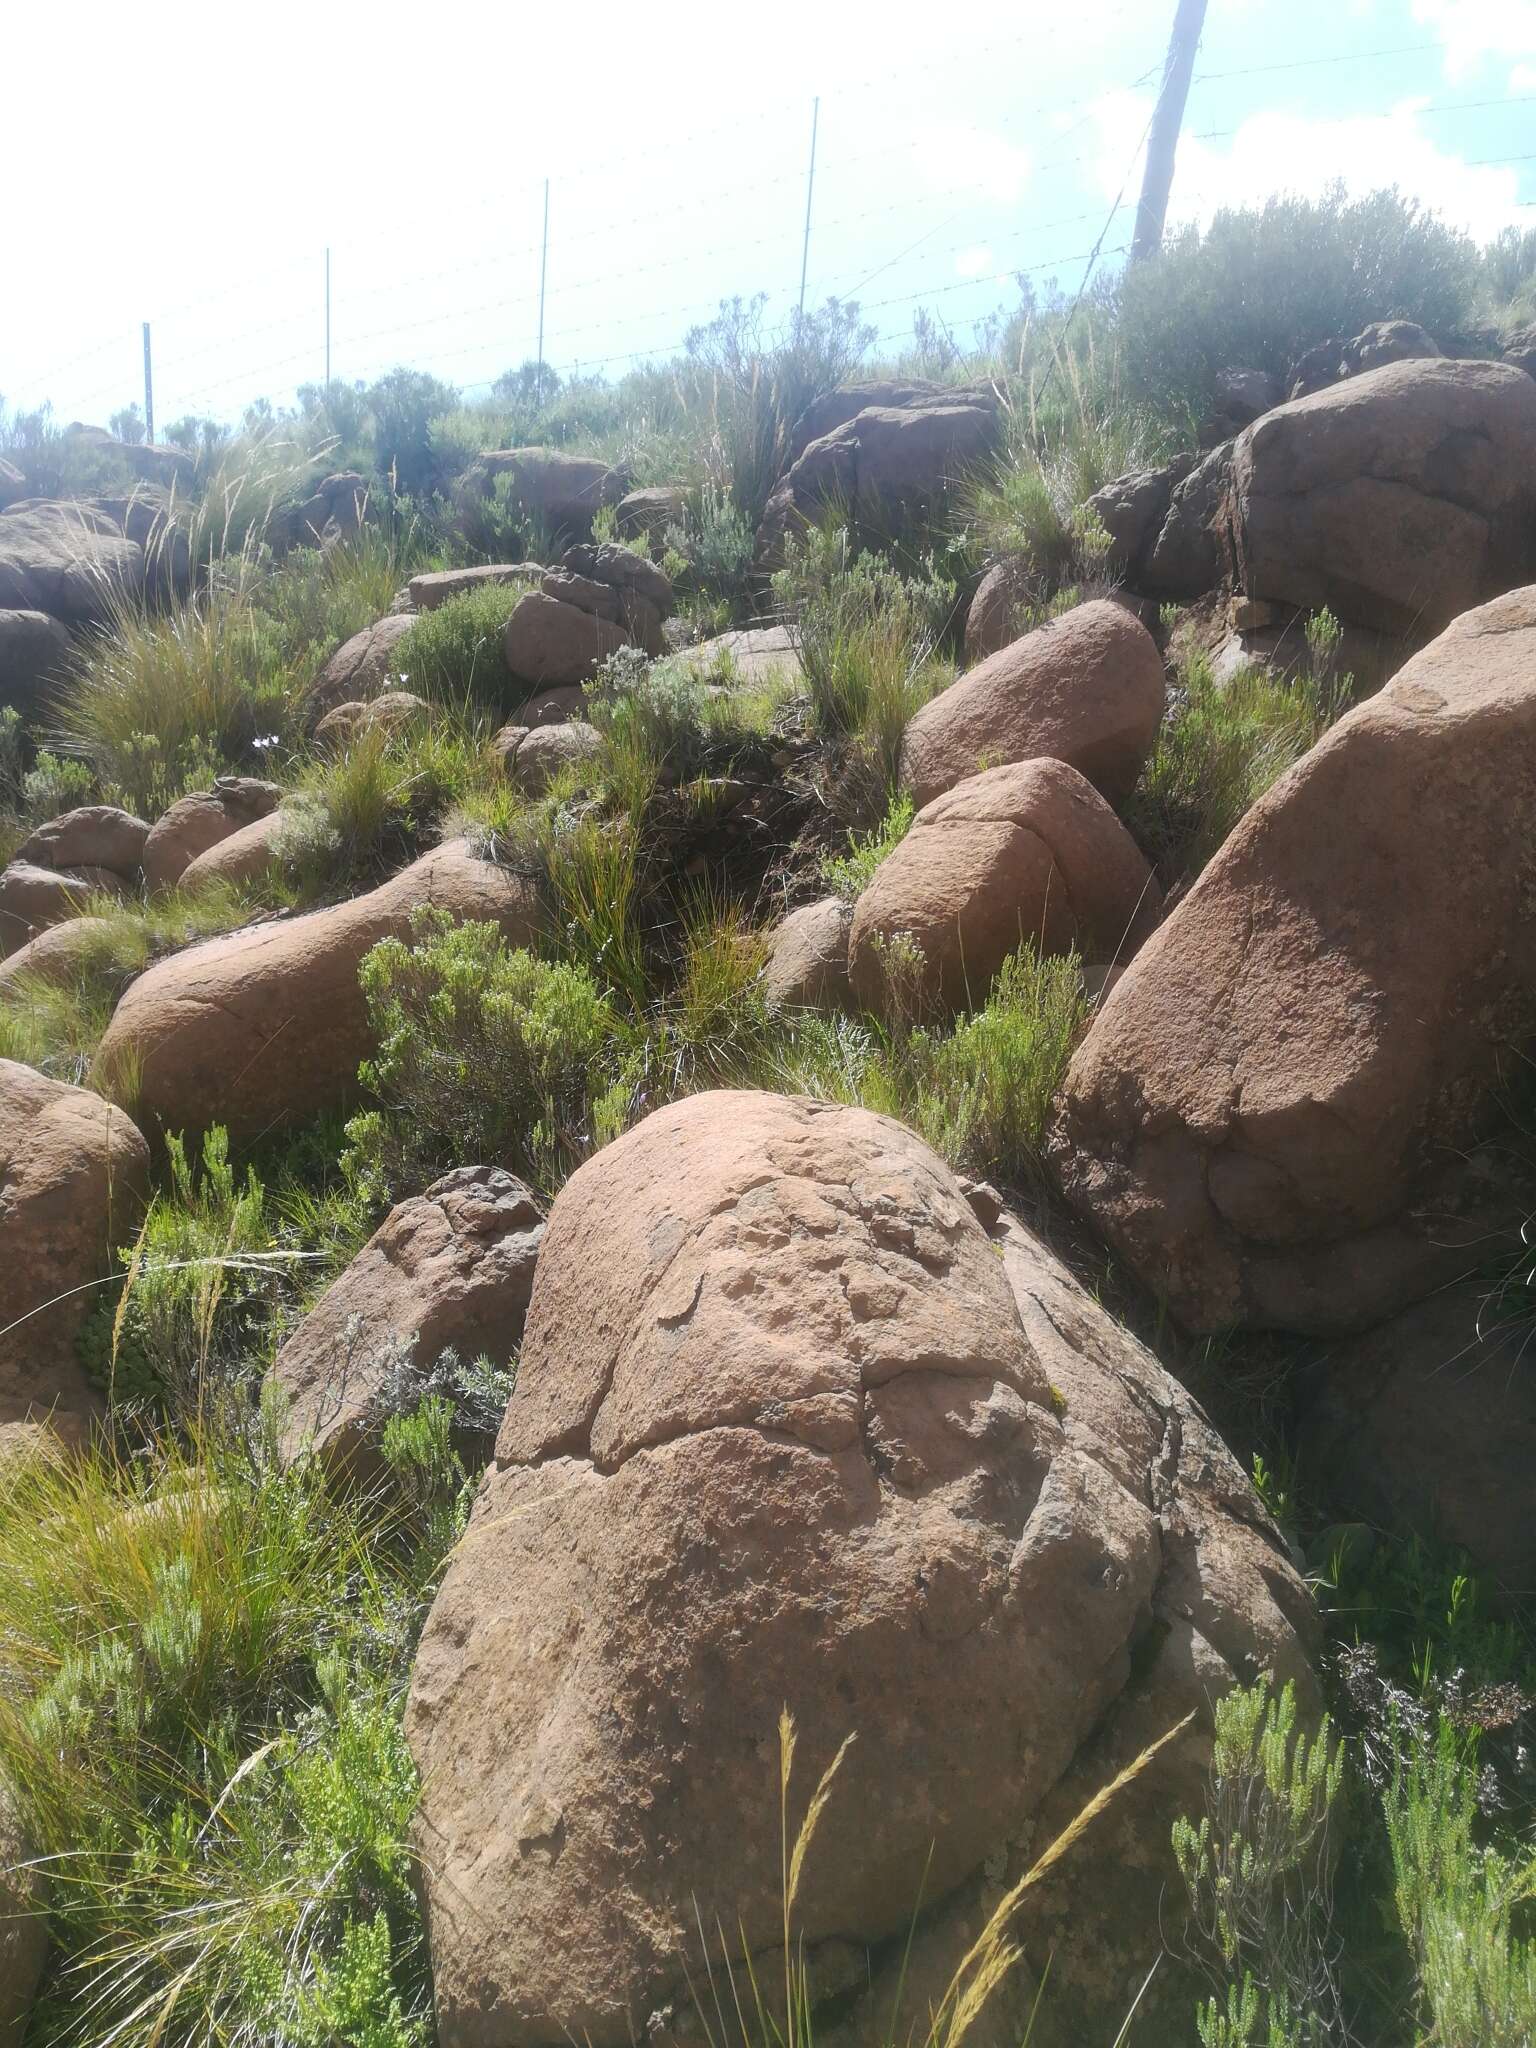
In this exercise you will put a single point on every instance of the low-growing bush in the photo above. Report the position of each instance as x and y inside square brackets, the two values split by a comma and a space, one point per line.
[202, 1664]
[1220, 747]
[485, 1054]
[454, 654]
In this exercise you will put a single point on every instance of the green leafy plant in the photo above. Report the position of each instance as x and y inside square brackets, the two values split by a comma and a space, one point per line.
[485, 1053]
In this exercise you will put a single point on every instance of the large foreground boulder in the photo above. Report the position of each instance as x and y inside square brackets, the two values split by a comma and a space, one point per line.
[65, 559]
[1273, 1114]
[1086, 689]
[1398, 498]
[448, 1269]
[73, 1176]
[780, 1435]
[266, 1026]
[1027, 854]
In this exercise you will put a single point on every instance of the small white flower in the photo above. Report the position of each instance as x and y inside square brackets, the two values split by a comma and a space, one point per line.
[265, 742]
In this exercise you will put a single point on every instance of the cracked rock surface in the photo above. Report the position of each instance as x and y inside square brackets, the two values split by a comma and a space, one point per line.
[1274, 1114]
[781, 1435]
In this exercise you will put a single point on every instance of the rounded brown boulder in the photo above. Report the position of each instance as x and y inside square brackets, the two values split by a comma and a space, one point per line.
[1275, 1115]
[1026, 854]
[267, 1025]
[195, 823]
[73, 1176]
[32, 898]
[1087, 689]
[95, 836]
[780, 1436]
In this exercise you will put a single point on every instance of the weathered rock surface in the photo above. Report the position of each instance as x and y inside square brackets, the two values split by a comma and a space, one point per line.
[1029, 852]
[436, 586]
[344, 724]
[760, 654]
[32, 898]
[1398, 498]
[360, 666]
[267, 1025]
[333, 511]
[1272, 1114]
[94, 836]
[1086, 689]
[807, 968]
[74, 1172]
[888, 465]
[563, 491]
[1000, 610]
[195, 823]
[548, 641]
[779, 1435]
[648, 513]
[835, 408]
[1428, 1423]
[59, 954]
[449, 1269]
[534, 756]
[33, 648]
[245, 856]
[66, 560]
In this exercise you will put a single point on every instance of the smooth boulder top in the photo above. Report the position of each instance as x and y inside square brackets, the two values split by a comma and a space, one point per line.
[1027, 854]
[267, 1025]
[66, 559]
[1399, 498]
[95, 835]
[1087, 689]
[1271, 1114]
[779, 1434]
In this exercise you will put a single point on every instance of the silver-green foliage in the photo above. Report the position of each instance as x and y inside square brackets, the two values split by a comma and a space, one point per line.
[1257, 1869]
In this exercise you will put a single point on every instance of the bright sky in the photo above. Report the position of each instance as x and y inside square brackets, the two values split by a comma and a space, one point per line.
[198, 162]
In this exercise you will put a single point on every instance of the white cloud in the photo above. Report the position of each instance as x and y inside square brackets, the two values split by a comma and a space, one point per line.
[957, 158]
[1473, 31]
[977, 261]
[1289, 152]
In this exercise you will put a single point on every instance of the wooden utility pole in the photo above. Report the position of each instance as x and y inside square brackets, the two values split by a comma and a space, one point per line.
[149, 392]
[1163, 138]
[543, 274]
[810, 188]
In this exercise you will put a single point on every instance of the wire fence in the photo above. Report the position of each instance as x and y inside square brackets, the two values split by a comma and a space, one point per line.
[200, 375]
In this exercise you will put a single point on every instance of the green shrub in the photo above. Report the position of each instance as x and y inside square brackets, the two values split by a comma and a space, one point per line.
[866, 637]
[454, 654]
[1220, 747]
[485, 1054]
[1261, 285]
[1461, 1900]
[848, 875]
[1258, 1873]
[200, 1281]
[202, 1663]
